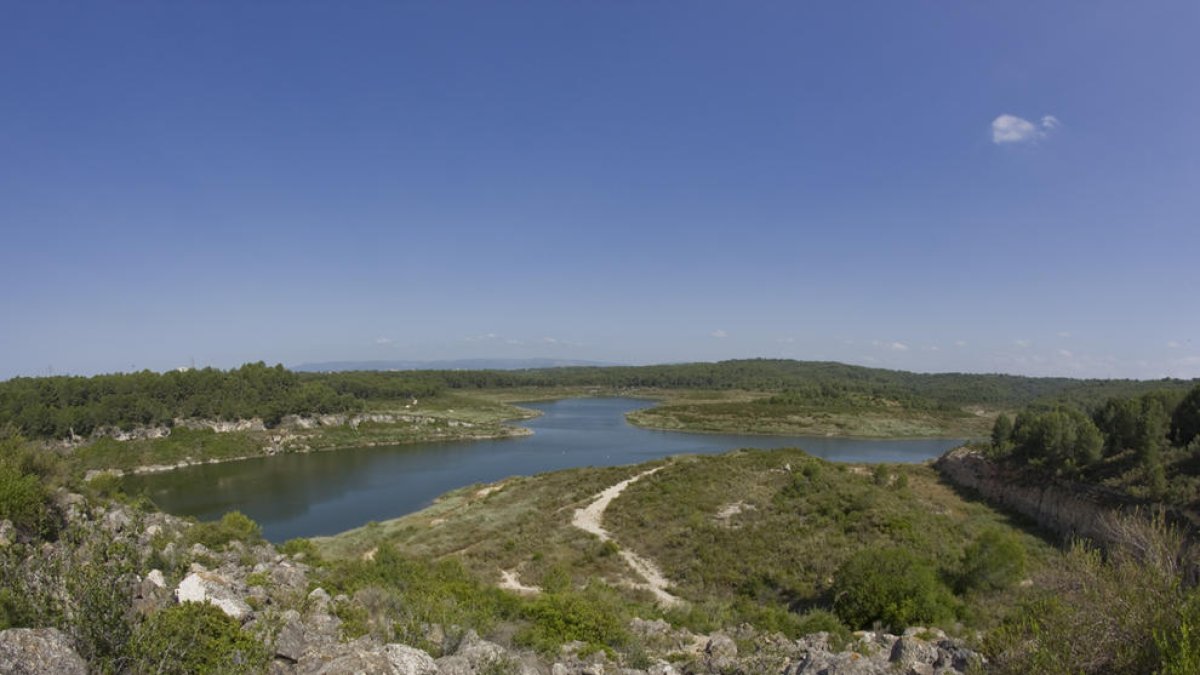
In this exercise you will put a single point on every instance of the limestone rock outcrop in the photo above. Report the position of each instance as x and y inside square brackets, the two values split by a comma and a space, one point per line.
[38, 651]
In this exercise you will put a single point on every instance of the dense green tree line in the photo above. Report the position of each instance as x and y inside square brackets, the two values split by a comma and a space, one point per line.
[58, 406]
[377, 385]
[1138, 435]
[798, 380]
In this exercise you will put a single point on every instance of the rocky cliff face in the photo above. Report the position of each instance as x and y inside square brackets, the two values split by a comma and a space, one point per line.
[1071, 509]
[1060, 506]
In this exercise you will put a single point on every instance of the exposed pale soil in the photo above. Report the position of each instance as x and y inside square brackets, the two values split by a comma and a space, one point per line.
[589, 519]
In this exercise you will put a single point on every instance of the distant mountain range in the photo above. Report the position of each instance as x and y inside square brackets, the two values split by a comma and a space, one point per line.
[454, 364]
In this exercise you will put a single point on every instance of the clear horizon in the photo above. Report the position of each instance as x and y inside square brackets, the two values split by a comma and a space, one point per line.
[933, 188]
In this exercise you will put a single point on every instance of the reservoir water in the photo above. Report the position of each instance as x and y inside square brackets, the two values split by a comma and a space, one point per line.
[320, 493]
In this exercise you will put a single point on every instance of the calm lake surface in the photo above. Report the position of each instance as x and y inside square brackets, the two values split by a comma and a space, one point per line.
[321, 493]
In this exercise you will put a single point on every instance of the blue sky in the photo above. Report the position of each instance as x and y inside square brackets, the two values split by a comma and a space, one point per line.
[931, 186]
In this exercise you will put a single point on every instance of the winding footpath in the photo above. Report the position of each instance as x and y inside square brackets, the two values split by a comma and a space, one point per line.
[589, 519]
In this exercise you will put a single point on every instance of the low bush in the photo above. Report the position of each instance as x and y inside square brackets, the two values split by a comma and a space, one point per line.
[1179, 645]
[821, 621]
[300, 546]
[233, 526]
[195, 637]
[595, 616]
[441, 592]
[890, 586]
[24, 495]
[1095, 616]
[995, 560]
[25, 502]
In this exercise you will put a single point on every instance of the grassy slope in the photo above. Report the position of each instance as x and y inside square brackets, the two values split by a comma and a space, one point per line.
[798, 519]
[747, 412]
[521, 523]
[744, 411]
[779, 553]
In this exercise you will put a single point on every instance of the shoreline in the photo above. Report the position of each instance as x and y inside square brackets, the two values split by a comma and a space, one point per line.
[146, 469]
[742, 432]
[509, 430]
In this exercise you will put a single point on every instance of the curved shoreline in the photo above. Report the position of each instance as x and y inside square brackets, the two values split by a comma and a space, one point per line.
[792, 434]
[144, 469]
[279, 446]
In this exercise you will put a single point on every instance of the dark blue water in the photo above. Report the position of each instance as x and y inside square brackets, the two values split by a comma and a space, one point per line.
[304, 495]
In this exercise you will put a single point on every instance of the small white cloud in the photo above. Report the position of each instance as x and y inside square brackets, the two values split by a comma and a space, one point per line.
[933, 348]
[1012, 129]
[513, 342]
[550, 340]
[786, 340]
[1063, 333]
[1173, 345]
[383, 340]
[1023, 344]
[719, 334]
[898, 347]
[1065, 353]
[960, 343]
[481, 338]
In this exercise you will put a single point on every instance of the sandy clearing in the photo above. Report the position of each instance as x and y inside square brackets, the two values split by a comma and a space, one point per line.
[510, 580]
[485, 491]
[589, 519]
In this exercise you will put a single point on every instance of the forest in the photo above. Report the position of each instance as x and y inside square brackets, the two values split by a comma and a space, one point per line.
[57, 407]
[1146, 445]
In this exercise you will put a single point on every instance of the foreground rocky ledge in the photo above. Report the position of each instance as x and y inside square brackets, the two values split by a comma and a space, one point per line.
[272, 597]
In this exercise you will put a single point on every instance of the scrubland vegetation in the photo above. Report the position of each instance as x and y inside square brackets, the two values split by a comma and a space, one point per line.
[795, 554]
[778, 540]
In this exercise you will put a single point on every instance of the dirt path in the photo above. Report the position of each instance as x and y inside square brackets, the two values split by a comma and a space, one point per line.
[589, 519]
[511, 581]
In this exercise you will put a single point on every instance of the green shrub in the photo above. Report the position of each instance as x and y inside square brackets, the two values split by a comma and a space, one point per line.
[820, 621]
[441, 592]
[301, 546]
[881, 475]
[892, 586]
[1179, 646]
[995, 560]
[25, 501]
[106, 485]
[195, 637]
[1093, 615]
[16, 609]
[233, 526]
[556, 579]
[594, 616]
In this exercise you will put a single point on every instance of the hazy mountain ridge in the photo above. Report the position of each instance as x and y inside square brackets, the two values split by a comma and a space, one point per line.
[448, 364]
